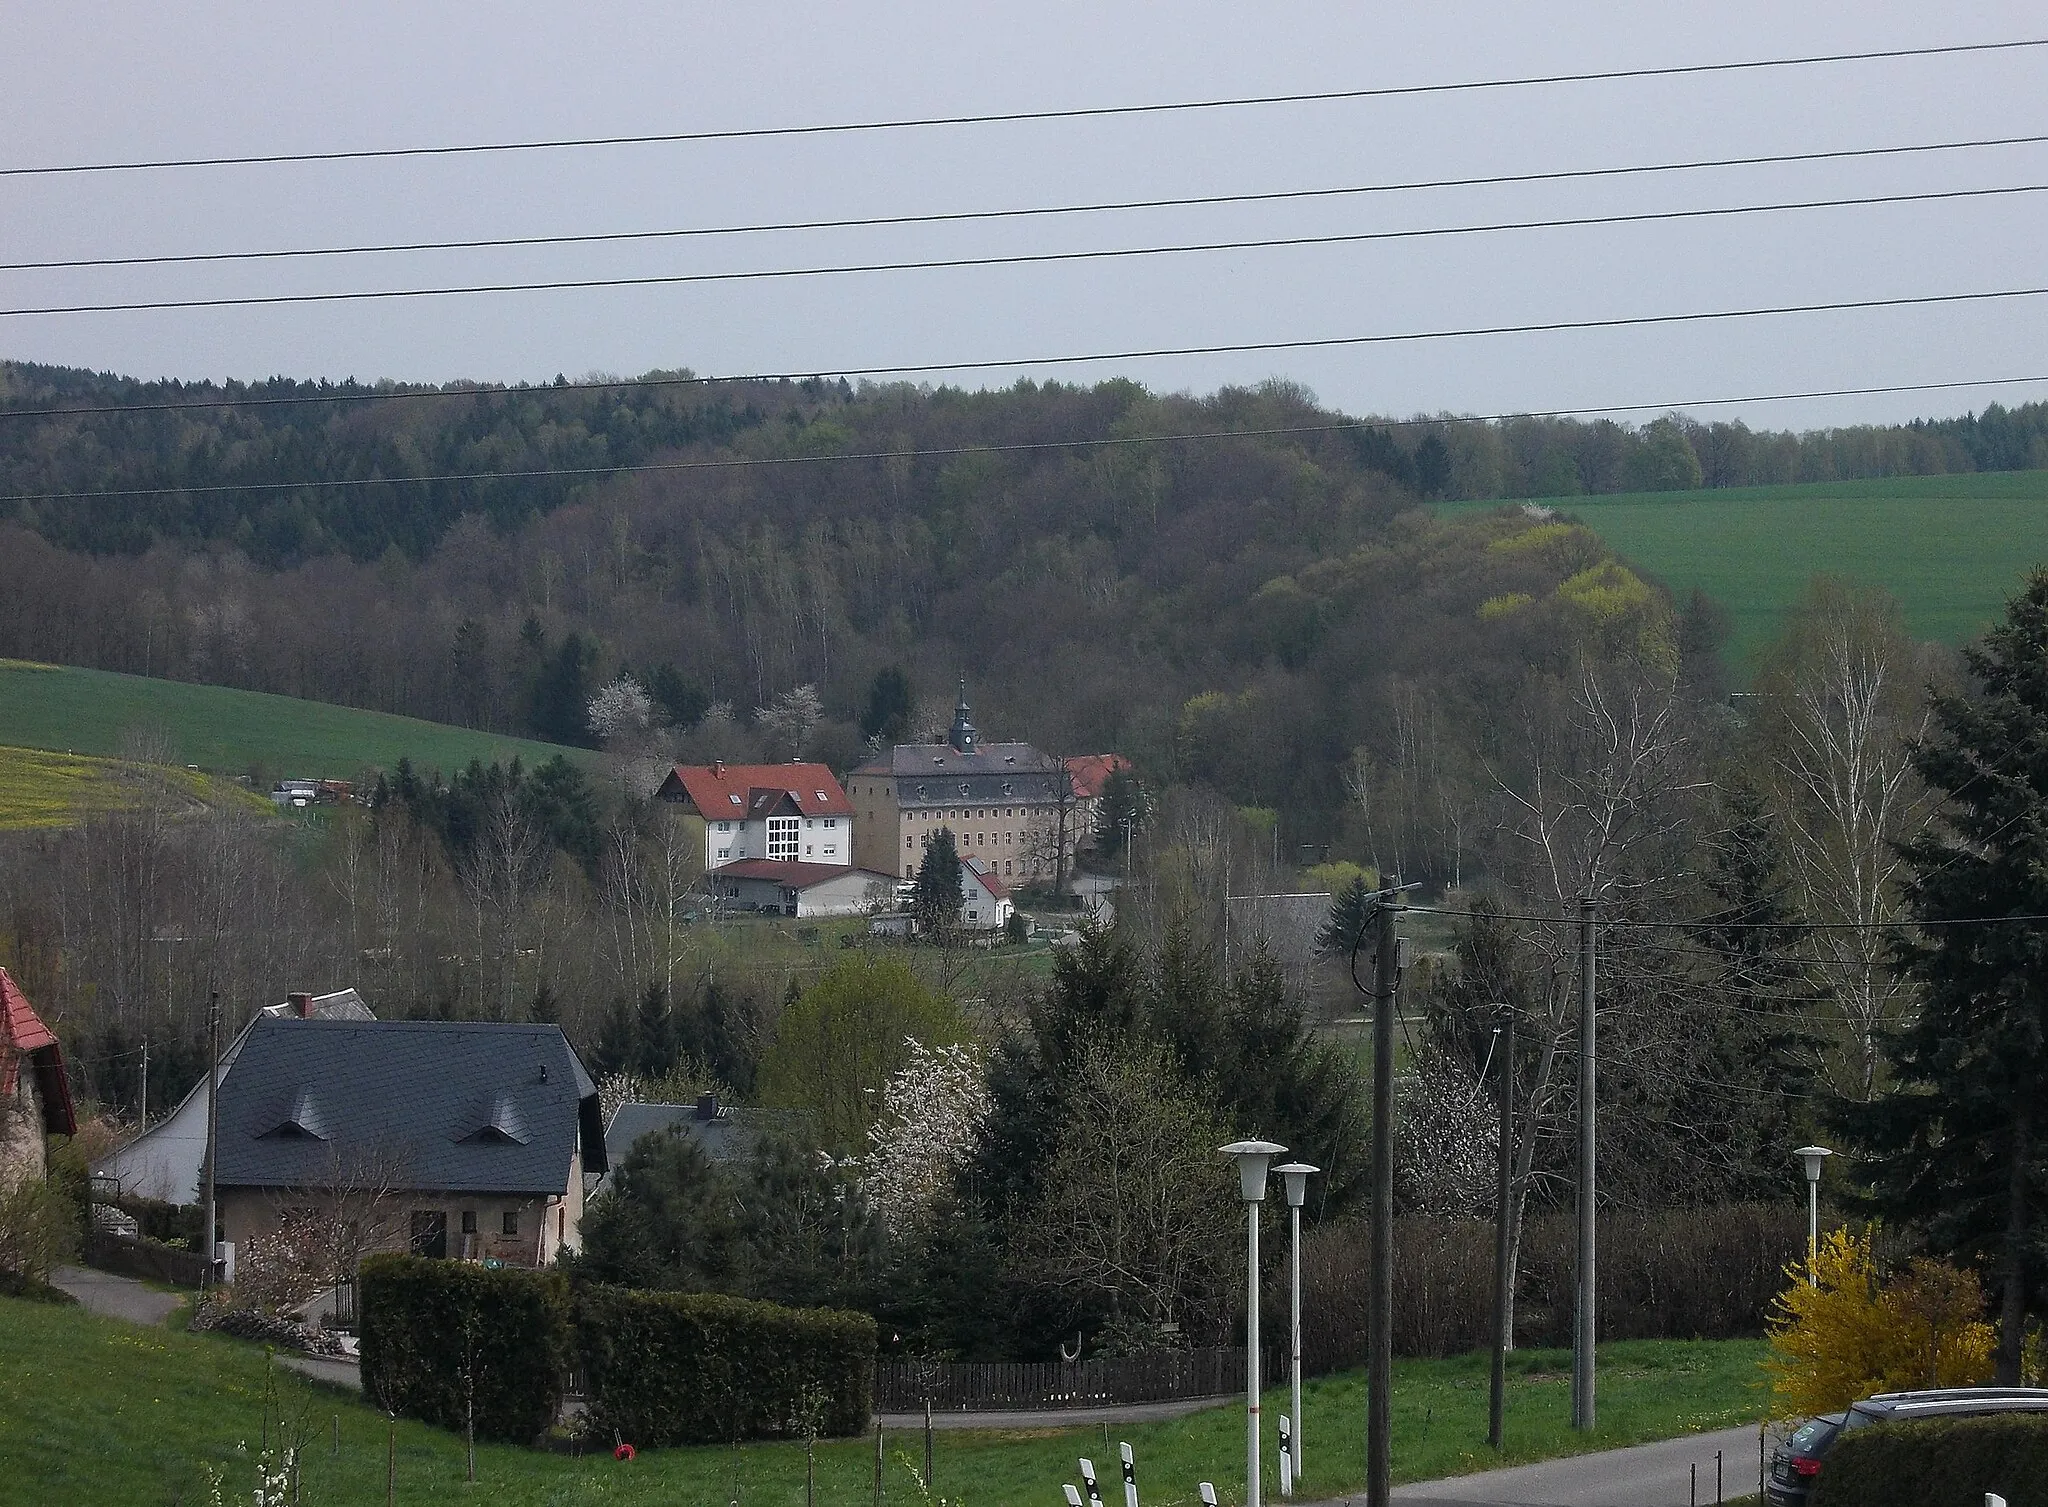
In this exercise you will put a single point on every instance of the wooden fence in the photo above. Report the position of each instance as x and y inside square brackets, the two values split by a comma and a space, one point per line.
[905, 1386]
[145, 1258]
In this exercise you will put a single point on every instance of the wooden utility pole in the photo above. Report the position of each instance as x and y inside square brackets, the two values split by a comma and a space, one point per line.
[211, 1212]
[1583, 1318]
[1380, 1329]
[1503, 1274]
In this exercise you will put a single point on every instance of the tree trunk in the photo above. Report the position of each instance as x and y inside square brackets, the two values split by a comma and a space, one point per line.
[2012, 1316]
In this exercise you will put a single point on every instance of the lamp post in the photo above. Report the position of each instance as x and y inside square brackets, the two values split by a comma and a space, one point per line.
[1294, 1178]
[1813, 1156]
[1253, 1158]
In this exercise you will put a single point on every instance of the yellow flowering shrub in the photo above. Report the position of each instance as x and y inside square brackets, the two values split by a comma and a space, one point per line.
[1853, 1332]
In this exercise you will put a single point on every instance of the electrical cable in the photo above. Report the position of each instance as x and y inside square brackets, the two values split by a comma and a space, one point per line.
[1043, 211]
[1014, 259]
[1700, 922]
[1007, 117]
[938, 452]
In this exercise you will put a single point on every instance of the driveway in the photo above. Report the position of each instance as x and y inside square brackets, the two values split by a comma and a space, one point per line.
[1647, 1475]
[116, 1297]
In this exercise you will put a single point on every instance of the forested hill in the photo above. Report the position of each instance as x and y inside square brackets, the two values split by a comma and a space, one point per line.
[284, 444]
[1239, 590]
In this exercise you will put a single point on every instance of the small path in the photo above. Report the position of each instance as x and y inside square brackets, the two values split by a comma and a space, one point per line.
[1644, 1475]
[1050, 1418]
[325, 1368]
[115, 1296]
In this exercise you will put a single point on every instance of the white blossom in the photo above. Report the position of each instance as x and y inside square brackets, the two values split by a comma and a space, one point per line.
[620, 709]
[1447, 1143]
[932, 1108]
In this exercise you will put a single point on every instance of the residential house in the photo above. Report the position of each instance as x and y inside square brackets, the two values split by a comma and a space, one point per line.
[35, 1093]
[790, 813]
[1007, 804]
[167, 1160]
[462, 1139]
[1090, 773]
[799, 889]
[985, 903]
[721, 1132]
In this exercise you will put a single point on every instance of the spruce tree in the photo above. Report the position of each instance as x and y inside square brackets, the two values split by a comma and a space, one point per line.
[1351, 910]
[617, 1049]
[655, 1046]
[1958, 1147]
[935, 895]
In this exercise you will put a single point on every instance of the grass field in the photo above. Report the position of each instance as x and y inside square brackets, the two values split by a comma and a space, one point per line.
[93, 1411]
[43, 789]
[228, 731]
[1950, 548]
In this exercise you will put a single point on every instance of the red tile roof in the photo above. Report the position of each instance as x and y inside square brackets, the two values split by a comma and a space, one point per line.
[1091, 772]
[984, 871]
[727, 791]
[788, 872]
[22, 1032]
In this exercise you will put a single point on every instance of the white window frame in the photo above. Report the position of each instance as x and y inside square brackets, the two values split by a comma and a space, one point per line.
[782, 838]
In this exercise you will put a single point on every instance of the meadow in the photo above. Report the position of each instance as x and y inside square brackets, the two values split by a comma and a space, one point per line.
[94, 1411]
[1950, 548]
[43, 789]
[97, 712]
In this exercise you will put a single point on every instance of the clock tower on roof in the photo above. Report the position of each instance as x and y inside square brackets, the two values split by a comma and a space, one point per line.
[961, 736]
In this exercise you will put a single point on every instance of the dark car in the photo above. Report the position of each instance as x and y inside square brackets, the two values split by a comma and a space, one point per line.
[1798, 1460]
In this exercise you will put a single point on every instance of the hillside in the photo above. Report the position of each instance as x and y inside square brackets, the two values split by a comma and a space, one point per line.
[43, 789]
[95, 712]
[1950, 548]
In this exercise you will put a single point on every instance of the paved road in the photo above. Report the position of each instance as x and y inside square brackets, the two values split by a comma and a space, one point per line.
[115, 1296]
[1648, 1475]
[1053, 1418]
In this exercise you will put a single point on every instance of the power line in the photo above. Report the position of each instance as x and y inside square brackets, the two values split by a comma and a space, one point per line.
[1196, 201]
[1016, 259]
[1085, 112]
[1704, 923]
[743, 462]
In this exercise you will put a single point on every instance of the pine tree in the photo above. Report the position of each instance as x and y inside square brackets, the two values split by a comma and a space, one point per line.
[618, 1047]
[1351, 911]
[655, 1033]
[935, 895]
[1960, 1146]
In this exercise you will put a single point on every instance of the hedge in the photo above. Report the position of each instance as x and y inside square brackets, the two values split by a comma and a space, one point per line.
[699, 1368]
[1939, 1462]
[425, 1323]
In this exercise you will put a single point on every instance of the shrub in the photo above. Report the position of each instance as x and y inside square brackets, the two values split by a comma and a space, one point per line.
[441, 1336]
[39, 1227]
[1939, 1462]
[1854, 1332]
[15, 1285]
[169, 1223]
[699, 1368]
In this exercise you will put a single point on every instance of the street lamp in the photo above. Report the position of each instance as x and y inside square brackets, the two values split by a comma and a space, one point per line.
[1294, 1176]
[1813, 1156]
[1253, 1158]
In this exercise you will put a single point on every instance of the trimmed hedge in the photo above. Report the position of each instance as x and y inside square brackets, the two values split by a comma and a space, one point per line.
[1939, 1462]
[421, 1319]
[699, 1368]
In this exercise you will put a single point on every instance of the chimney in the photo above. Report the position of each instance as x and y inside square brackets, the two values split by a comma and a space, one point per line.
[718, 769]
[302, 1005]
[707, 1106]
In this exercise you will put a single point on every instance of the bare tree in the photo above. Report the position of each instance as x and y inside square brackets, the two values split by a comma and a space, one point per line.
[1841, 706]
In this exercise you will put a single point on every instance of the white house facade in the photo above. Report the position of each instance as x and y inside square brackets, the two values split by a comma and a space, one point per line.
[785, 813]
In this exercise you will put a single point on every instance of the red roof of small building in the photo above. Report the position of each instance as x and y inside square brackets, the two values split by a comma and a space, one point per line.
[727, 791]
[22, 1032]
[985, 872]
[788, 872]
[1091, 772]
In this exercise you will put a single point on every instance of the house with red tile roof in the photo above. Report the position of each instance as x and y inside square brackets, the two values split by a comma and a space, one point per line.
[789, 813]
[35, 1094]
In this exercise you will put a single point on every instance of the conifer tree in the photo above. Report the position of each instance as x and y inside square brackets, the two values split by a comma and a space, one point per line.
[1958, 1147]
[935, 896]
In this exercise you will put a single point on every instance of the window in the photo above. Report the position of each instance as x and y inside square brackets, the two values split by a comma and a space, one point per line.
[911, 842]
[1009, 837]
[511, 1221]
[833, 821]
[1006, 865]
[782, 837]
[469, 1221]
[734, 799]
[808, 823]
[725, 852]
[725, 826]
[910, 871]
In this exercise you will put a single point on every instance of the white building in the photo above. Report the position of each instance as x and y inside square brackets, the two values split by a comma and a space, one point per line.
[799, 889]
[788, 813]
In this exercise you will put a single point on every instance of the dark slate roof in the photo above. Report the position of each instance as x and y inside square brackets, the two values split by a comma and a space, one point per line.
[730, 1137]
[933, 774]
[470, 1106]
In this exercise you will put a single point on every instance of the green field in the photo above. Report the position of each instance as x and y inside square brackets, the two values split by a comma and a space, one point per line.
[96, 712]
[1950, 548]
[93, 1411]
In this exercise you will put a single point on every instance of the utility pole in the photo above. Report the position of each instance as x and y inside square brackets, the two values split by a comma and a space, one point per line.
[144, 1117]
[210, 1213]
[1503, 1274]
[1380, 1328]
[1582, 1324]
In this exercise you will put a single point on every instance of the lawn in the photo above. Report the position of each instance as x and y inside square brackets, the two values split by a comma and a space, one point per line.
[43, 789]
[232, 732]
[93, 1411]
[1950, 548]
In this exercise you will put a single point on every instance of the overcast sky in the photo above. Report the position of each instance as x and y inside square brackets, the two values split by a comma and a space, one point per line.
[100, 82]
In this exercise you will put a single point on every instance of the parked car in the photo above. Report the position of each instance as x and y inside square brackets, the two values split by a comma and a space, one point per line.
[1798, 1460]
